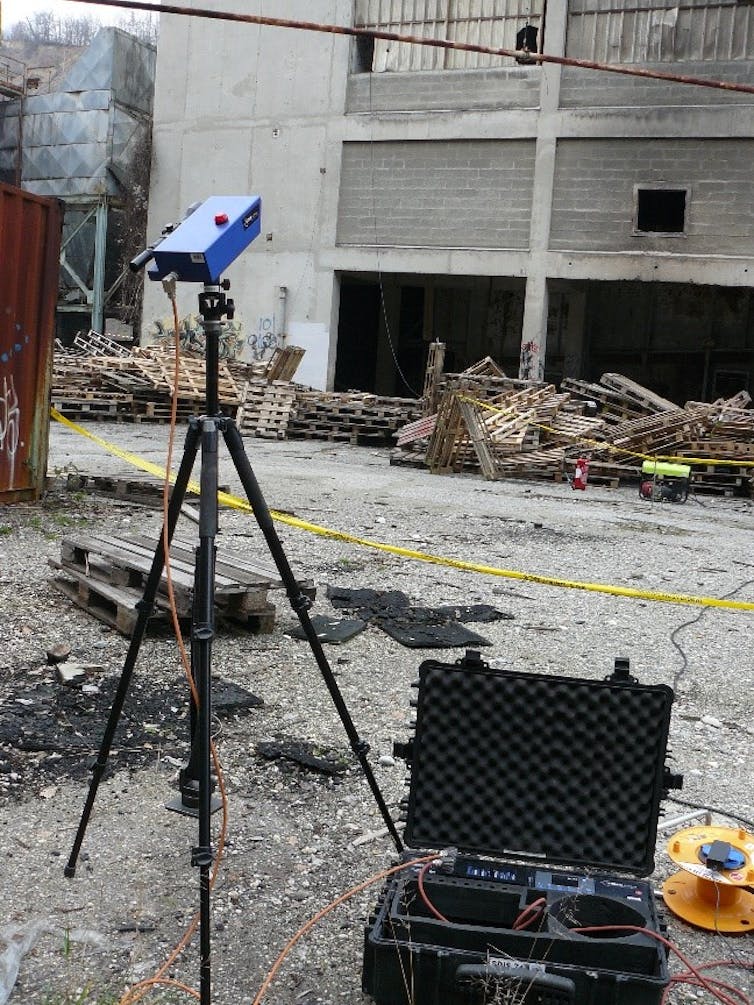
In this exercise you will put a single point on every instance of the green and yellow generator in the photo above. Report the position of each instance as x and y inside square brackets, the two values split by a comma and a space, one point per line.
[662, 481]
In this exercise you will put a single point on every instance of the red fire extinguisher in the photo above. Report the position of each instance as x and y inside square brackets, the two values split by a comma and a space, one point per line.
[581, 474]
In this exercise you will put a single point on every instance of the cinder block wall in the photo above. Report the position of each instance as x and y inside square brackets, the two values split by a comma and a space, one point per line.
[593, 194]
[467, 194]
[593, 89]
[447, 89]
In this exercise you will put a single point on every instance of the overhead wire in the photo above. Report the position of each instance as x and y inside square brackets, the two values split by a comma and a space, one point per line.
[441, 43]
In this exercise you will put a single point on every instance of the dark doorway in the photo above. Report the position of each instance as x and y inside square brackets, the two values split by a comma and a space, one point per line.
[358, 328]
[411, 351]
[686, 342]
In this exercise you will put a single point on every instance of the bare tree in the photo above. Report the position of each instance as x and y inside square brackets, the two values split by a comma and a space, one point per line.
[78, 30]
[44, 28]
[143, 26]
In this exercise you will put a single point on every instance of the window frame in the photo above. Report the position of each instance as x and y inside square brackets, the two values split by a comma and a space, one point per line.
[661, 187]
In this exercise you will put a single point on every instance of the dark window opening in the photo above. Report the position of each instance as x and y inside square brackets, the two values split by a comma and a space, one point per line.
[661, 210]
[526, 41]
[364, 54]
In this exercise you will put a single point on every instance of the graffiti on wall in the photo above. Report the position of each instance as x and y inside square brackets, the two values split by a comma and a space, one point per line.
[10, 419]
[262, 343]
[530, 365]
[192, 339]
[259, 344]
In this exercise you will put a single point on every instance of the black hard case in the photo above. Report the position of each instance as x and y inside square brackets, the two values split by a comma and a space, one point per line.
[550, 787]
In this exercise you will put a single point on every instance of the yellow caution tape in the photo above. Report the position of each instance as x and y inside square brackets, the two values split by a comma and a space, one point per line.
[454, 563]
[603, 445]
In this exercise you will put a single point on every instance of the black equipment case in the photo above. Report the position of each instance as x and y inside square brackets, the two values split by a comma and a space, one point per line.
[544, 793]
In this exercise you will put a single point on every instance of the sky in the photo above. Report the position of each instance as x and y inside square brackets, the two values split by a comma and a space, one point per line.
[18, 10]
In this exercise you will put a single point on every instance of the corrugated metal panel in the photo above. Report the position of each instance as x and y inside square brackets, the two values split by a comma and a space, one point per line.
[96, 115]
[653, 31]
[479, 22]
[29, 253]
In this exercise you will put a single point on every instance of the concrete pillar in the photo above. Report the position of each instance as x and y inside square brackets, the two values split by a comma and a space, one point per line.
[531, 365]
[534, 328]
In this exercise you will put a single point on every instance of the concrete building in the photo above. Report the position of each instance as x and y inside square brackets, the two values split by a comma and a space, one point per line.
[563, 220]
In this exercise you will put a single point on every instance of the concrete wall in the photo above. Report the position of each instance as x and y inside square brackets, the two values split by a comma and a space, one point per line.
[241, 109]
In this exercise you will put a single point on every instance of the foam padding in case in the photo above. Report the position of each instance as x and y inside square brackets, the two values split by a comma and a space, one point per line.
[554, 768]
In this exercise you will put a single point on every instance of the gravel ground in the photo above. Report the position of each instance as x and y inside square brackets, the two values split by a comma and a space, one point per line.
[298, 838]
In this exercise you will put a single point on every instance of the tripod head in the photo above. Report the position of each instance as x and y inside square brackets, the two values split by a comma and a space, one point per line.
[211, 236]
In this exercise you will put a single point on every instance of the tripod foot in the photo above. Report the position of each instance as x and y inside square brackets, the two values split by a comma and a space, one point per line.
[187, 809]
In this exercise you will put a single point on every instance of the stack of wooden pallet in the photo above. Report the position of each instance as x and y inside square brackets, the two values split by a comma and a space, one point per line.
[617, 397]
[506, 428]
[137, 385]
[350, 417]
[107, 575]
[266, 408]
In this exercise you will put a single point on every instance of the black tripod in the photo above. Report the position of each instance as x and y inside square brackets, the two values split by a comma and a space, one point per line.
[196, 779]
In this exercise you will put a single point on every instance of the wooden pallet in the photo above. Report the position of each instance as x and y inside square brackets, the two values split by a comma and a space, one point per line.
[638, 395]
[432, 374]
[136, 487]
[420, 429]
[568, 428]
[266, 409]
[613, 407]
[284, 363]
[94, 344]
[480, 438]
[446, 443]
[111, 574]
[117, 606]
[486, 367]
[92, 408]
[350, 416]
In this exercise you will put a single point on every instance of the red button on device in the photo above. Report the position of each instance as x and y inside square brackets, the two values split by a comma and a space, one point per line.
[221, 218]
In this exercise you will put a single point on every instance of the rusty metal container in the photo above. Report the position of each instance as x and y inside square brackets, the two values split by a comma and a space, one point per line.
[30, 229]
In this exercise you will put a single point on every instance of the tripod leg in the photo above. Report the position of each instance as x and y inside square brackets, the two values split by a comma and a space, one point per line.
[300, 604]
[203, 633]
[144, 607]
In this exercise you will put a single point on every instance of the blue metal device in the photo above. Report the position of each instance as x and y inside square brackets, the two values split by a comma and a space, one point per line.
[211, 237]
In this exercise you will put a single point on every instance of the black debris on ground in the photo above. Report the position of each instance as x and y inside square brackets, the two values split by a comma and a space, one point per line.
[416, 627]
[302, 753]
[50, 731]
